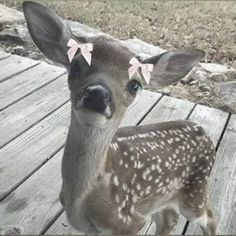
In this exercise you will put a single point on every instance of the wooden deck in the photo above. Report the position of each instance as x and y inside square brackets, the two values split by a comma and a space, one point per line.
[34, 115]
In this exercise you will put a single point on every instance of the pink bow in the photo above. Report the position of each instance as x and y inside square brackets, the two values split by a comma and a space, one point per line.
[85, 49]
[146, 69]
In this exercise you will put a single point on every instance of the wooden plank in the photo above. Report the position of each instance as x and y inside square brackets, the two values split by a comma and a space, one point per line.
[24, 83]
[169, 108]
[4, 55]
[213, 121]
[62, 227]
[28, 111]
[30, 150]
[30, 208]
[41, 155]
[143, 103]
[14, 65]
[223, 184]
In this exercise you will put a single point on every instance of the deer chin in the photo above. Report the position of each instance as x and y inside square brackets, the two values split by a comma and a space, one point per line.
[89, 117]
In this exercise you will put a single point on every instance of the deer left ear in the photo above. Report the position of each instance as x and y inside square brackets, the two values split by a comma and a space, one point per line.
[172, 66]
[49, 32]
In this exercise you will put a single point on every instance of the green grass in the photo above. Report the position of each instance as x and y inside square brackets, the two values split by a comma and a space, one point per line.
[208, 25]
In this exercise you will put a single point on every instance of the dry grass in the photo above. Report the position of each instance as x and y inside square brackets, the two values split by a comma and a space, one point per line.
[208, 25]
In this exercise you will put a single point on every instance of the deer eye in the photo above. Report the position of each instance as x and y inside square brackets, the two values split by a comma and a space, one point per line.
[133, 86]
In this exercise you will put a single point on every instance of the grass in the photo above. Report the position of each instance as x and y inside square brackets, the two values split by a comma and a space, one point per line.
[208, 25]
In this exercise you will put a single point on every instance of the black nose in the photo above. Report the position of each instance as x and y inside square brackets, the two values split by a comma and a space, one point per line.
[96, 97]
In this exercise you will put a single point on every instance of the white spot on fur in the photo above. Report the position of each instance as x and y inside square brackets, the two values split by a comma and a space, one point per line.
[115, 180]
[117, 198]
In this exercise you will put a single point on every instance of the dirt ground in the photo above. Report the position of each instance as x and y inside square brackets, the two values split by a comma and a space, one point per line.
[209, 25]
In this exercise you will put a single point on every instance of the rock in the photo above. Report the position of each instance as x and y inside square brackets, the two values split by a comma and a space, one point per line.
[206, 87]
[141, 48]
[218, 77]
[231, 75]
[234, 64]
[19, 50]
[227, 91]
[16, 34]
[10, 16]
[198, 73]
[81, 30]
[216, 68]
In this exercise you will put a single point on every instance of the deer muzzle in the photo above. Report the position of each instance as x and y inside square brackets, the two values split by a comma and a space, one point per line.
[97, 98]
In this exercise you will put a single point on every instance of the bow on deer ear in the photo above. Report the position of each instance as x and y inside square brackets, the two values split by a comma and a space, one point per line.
[49, 32]
[85, 50]
[145, 69]
[170, 67]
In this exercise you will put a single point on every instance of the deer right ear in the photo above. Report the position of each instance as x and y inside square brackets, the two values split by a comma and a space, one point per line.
[49, 32]
[172, 66]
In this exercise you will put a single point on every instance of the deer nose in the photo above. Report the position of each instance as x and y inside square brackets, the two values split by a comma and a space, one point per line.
[96, 97]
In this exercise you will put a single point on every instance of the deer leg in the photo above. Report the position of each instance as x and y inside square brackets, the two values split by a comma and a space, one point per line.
[196, 210]
[208, 227]
[165, 221]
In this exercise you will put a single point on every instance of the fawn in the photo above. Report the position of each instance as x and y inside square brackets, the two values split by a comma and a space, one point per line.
[115, 178]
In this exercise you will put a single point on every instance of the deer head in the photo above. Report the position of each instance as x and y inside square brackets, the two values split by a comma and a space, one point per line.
[102, 91]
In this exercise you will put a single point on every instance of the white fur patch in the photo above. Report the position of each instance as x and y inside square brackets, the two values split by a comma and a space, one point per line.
[202, 220]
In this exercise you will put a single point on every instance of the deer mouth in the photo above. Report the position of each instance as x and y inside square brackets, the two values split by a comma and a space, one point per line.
[107, 112]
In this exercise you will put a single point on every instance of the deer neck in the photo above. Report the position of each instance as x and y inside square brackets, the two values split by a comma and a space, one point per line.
[85, 155]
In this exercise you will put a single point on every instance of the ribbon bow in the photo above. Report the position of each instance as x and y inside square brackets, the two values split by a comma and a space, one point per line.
[85, 49]
[146, 69]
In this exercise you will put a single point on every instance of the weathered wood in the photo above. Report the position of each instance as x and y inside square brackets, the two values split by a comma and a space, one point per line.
[62, 227]
[29, 151]
[169, 108]
[24, 83]
[223, 184]
[143, 103]
[213, 121]
[28, 111]
[14, 65]
[4, 55]
[32, 206]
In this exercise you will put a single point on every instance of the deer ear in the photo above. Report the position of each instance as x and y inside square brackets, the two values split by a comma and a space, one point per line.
[48, 31]
[172, 66]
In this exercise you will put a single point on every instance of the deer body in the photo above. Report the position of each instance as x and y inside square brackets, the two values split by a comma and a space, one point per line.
[115, 178]
[129, 182]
